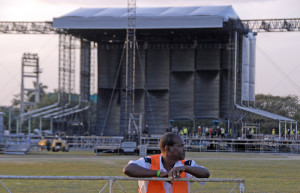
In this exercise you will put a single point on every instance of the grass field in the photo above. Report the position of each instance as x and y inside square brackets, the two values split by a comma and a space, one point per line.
[262, 172]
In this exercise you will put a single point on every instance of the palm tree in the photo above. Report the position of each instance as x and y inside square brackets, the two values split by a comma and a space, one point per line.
[31, 93]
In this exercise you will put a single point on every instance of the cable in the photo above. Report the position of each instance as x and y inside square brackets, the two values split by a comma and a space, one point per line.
[286, 76]
[294, 69]
[147, 94]
[112, 94]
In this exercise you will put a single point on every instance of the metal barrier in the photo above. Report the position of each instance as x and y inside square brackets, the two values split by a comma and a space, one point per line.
[109, 144]
[114, 180]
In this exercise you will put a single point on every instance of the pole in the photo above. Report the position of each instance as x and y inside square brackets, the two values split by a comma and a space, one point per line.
[51, 125]
[41, 124]
[279, 130]
[296, 131]
[284, 130]
[242, 187]
[29, 125]
[9, 120]
[194, 126]
[17, 129]
[111, 182]
[291, 129]
[235, 66]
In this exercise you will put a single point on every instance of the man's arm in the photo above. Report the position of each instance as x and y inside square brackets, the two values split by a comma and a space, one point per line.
[198, 172]
[134, 170]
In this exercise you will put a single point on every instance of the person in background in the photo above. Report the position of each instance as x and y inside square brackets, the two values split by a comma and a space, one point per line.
[185, 131]
[199, 131]
[222, 132]
[273, 132]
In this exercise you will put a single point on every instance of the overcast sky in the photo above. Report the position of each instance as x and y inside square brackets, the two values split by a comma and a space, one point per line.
[278, 54]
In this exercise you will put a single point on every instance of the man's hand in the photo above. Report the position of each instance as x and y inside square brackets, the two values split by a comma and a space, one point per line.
[175, 172]
[163, 174]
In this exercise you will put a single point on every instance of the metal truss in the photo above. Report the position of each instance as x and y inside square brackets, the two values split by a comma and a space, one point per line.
[10, 27]
[130, 64]
[273, 25]
[256, 25]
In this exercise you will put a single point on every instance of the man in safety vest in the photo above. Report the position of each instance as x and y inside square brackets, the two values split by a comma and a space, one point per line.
[273, 131]
[170, 163]
[185, 131]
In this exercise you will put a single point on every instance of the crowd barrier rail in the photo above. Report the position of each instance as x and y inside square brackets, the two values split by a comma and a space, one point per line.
[111, 180]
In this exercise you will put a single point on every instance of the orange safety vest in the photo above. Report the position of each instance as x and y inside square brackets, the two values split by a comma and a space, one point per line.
[158, 187]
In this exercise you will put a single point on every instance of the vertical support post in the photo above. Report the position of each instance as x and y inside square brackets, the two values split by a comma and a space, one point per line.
[29, 125]
[130, 64]
[1, 129]
[228, 126]
[9, 120]
[242, 187]
[17, 126]
[235, 66]
[243, 129]
[140, 129]
[22, 93]
[51, 125]
[284, 130]
[41, 125]
[291, 131]
[296, 131]
[279, 132]
[111, 182]
[194, 127]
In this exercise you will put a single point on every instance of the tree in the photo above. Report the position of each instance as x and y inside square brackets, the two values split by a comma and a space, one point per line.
[46, 99]
[287, 106]
[30, 95]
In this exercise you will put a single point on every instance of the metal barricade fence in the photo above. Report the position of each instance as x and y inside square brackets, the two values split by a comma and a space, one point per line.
[111, 182]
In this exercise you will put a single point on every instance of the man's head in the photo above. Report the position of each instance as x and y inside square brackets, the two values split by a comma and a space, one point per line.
[172, 146]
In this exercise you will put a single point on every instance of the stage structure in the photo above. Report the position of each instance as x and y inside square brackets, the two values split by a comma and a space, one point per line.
[189, 63]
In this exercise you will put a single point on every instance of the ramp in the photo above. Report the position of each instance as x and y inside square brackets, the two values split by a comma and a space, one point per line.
[17, 149]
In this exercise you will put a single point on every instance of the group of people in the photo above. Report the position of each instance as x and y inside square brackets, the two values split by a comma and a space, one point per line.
[208, 132]
[215, 132]
[291, 134]
[170, 164]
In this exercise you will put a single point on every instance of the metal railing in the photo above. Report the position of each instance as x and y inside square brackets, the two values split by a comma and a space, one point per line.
[111, 180]
[202, 144]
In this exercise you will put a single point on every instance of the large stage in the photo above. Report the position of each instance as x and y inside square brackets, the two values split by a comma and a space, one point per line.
[188, 66]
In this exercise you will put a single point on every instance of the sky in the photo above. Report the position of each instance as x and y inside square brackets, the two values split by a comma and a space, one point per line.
[277, 53]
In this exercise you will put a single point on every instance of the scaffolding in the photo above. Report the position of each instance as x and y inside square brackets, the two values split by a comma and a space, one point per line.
[130, 68]
[30, 70]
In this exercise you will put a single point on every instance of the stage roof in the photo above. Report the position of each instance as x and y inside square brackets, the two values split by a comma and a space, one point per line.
[265, 114]
[147, 18]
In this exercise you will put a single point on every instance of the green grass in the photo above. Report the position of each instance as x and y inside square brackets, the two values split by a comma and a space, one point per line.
[262, 172]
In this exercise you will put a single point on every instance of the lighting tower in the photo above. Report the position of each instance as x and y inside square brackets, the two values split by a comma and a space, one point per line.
[30, 70]
[130, 67]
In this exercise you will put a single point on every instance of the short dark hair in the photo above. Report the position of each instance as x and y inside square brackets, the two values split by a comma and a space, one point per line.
[167, 139]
